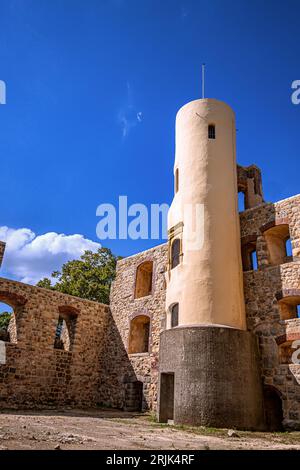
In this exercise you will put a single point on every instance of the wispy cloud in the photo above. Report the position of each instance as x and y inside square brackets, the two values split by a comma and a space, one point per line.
[129, 115]
[30, 257]
[184, 12]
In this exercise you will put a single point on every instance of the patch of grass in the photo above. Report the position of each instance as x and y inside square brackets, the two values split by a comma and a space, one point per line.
[152, 417]
[201, 430]
[150, 420]
[284, 437]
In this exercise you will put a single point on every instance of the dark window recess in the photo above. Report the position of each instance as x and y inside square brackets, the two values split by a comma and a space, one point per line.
[175, 253]
[174, 315]
[176, 180]
[211, 131]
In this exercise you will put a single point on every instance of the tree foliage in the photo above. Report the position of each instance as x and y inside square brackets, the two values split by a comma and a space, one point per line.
[89, 277]
[4, 320]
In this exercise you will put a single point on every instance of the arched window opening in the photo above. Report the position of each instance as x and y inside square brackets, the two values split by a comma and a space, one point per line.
[65, 329]
[143, 284]
[12, 304]
[211, 131]
[277, 239]
[289, 307]
[249, 256]
[139, 335]
[6, 321]
[176, 180]
[175, 253]
[174, 315]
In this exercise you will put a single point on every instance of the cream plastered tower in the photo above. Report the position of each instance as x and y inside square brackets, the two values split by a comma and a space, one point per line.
[209, 367]
[207, 283]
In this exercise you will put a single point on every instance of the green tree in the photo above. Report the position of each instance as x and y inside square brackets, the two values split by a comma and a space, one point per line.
[89, 277]
[45, 283]
[4, 320]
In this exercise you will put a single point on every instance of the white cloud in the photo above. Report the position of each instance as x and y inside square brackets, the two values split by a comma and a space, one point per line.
[30, 257]
[129, 116]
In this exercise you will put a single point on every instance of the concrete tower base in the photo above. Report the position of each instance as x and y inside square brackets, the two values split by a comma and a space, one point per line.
[209, 376]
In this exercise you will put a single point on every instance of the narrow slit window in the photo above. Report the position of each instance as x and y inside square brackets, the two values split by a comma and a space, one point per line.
[241, 201]
[175, 253]
[60, 332]
[176, 180]
[288, 247]
[211, 131]
[65, 329]
[249, 256]
[174, 315]
[254, 260]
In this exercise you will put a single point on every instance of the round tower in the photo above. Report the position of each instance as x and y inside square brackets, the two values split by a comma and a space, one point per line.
[209, 367]
[207, 282]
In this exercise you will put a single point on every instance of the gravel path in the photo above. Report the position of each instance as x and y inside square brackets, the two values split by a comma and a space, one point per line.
[115, 430]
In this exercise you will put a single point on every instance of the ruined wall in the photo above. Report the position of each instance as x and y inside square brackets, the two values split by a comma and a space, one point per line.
[35, 373]
[264, 288]
[124, 368]
[250, 183]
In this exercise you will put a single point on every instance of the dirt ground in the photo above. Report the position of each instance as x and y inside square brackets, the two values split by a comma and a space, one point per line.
[116, 430]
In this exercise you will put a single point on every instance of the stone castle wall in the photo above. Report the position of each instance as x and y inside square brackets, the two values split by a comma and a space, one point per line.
[35, 374]
[125, 307]
[264, 288]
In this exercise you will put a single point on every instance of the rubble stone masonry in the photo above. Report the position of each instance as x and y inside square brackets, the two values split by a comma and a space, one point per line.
[264, 288]
[125, 307]
[35, 374]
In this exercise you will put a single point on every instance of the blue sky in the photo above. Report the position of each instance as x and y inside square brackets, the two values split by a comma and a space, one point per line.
[93, 88]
